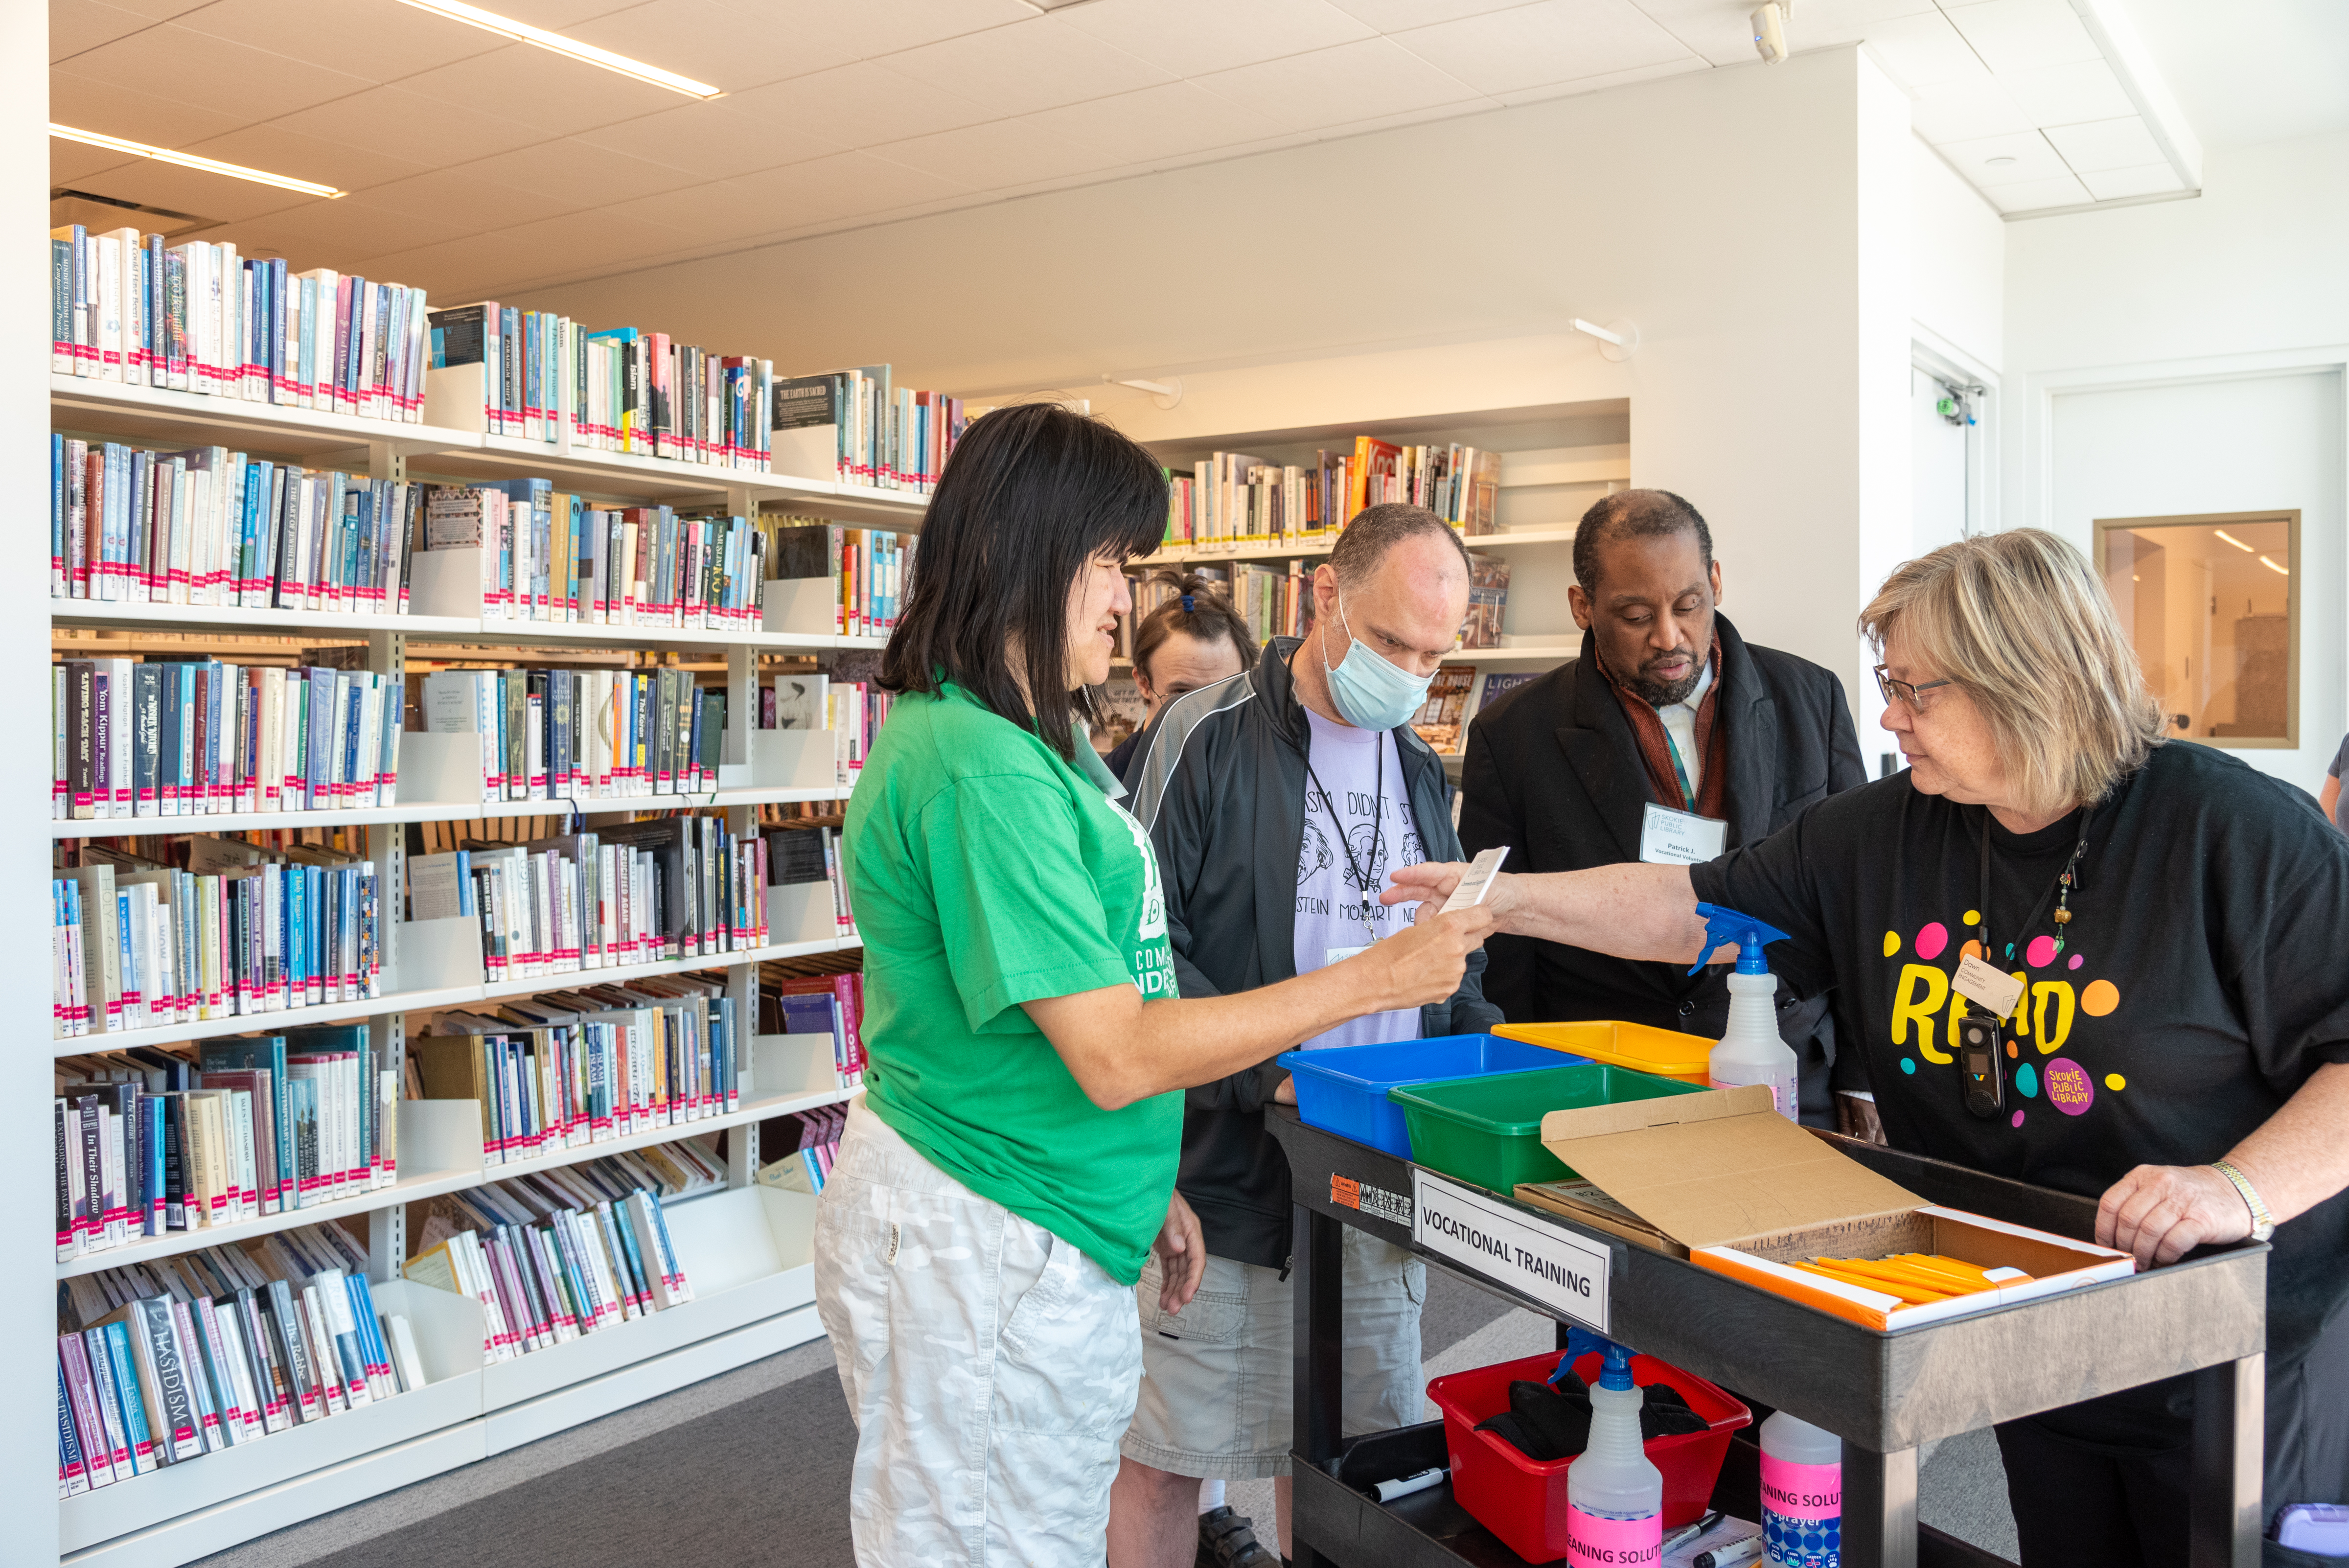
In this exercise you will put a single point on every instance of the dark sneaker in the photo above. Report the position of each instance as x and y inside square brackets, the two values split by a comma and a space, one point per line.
[1228, 1540]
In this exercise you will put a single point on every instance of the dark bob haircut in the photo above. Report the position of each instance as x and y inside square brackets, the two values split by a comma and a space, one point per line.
[1031, 494]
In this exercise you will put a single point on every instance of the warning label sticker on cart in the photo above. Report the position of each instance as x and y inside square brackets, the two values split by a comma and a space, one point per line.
[1486, 1237]
[1345, 1192]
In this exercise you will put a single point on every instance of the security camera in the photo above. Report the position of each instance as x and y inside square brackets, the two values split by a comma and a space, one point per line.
[1770, 31]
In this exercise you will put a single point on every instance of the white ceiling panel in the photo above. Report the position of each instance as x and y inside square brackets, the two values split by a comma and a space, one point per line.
[557, 15]
[537, 87]
[718, 210]
[341, 235]
[732, 47]
[1192, 38]
[998, 153]
[72, 161]
[92, 103]
[863, 28]
[1040, 63]
[178, 63]
[1681, 66]
[431, 131]
[2035, 195]
[1723, 33]
[1158, 123]
[842, 186]
[456, 196]
[2144, 179]
[711, 141]
[160, 10]
[2234, 83]
[1964, 111]
[79, 24]
[282, 150]
[178, 190]
[1995, 161]
[1394, 16]
[577, 241]
[2106, 144]
[1553, 41]
[369, 39]
[1925, 50]
[1340, 85]
[857, 103]
[2071, 94]
[2012, 35]
[575, 176]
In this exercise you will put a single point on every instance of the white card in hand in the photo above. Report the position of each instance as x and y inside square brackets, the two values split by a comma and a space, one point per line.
[1476, 881]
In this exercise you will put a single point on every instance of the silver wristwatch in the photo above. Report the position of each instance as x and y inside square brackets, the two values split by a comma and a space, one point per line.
[2262, 1222]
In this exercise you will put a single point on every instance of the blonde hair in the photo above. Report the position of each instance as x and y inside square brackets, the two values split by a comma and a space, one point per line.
[2022, 623]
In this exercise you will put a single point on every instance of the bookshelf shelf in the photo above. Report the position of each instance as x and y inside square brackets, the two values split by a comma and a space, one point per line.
[1515, 653]
[436, 811]
[1274, 550]
[434, 630]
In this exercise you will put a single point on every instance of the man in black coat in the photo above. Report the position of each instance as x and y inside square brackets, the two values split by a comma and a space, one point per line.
[1669, 737]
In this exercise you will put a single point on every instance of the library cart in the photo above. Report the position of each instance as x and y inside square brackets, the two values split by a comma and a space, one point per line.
[1883, 1393]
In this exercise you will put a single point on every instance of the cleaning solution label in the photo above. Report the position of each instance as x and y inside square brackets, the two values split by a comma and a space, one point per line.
[1602, 1542]
[1786, 1092]
[1802, 1515]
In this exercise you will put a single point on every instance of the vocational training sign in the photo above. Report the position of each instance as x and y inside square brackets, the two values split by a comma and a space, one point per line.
[1552, 1266]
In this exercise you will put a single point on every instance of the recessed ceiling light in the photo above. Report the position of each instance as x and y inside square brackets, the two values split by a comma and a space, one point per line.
[2272, 567]
[190, 161]
[1999, 162]
[522, 32]
[2231, 539]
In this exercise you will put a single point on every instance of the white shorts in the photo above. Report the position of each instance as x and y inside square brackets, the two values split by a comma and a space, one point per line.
[1218, 1379]
[990, 1366]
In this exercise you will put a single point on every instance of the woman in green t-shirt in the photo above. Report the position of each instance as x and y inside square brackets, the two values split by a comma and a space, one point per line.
[1011, 1163]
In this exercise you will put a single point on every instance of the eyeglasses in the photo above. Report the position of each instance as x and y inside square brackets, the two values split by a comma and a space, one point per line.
[1913, 695]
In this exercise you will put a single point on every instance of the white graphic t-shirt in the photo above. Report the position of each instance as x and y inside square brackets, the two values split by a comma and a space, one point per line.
[1379, 835]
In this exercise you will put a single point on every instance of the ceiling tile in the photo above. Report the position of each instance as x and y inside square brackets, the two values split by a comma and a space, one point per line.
[179, 63]
[862, 31]
[732, 47]
[79, 24]
[2145, 180]
[178, 189]
[2068, 95]
[1600, 83]
[579, 240]
[1157, 123]
[555, 15]
[1394, 16]
[1964, 109]
[2023, 35]
[281, 150]
[711, 139]
[1923, 51]
[1332, 86]
[1723, 35]
[455, 196]
[1190, 37]
[451, 271]
[577, 175]
[537, 86]
[1995, 161]
[161, 10]
[91, 104]
[2106, 144]
[2032, 194]
[1040, 63]
[381, 40]
[998, 153]
[341, 235]
[433, 133]
[1554, 41]
[72, 161]
[838, 104]
[840, 186]
[718, 210]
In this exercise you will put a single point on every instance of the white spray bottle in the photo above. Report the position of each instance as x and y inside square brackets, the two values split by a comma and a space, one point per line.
[1614, 1496]
[1802, 1494]
[1751, 1051]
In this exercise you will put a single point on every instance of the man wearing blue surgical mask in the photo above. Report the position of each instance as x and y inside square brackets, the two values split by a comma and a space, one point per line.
[1279, 802]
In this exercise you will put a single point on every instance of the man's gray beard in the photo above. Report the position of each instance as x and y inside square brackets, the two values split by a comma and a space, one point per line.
[1664, 694]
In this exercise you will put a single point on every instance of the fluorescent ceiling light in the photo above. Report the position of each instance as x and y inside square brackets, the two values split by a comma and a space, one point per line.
[491, 22]
[2272, 567]
[190, 161]
[2231, 539]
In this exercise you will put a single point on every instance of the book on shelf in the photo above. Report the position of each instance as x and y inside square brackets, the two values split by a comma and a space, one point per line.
[578, 735]
[150, 1141]
[831, 1005]
[866, 568]
[253, 932]
[572, 1069]
[165, 1360]
[1488, 600]
[798, 854]
[885, 437]
[207, 526]
[198, 317]
[534, 375]
[1275, 599]
[549, 556]
[1459, 483]
[167, 736]
[1229, 499]
[1456, 697]
[797, 1150]
[557, 1254]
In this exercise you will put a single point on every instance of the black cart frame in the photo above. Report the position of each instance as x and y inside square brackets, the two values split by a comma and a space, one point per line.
[1882, 1393]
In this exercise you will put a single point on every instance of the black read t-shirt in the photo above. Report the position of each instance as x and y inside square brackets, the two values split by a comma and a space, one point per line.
[2200, 981]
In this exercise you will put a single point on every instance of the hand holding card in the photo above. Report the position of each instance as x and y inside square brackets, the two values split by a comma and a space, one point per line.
[1478, 880]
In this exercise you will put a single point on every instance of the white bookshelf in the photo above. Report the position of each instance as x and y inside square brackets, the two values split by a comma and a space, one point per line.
[746, 1248]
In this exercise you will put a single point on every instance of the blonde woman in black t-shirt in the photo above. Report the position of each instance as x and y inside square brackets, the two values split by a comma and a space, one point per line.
[2181, 1049]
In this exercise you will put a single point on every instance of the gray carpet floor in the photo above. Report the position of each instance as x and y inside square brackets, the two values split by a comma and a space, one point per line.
[751, 1469]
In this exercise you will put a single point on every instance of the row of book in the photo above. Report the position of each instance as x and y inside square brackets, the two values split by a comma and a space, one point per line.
[197, 317]
[800, 855]
[664, 887]
[554, 1255]
[825, 1004]
[1456, 697]
[163, 1362]
[531, 375]
[167, 737]
[550, 555]
[150, 1141]
[582, 734]
[212, 527]
[867, 569]
[1230, 498]
[153, 947]
[887, 436]
[797, 1150]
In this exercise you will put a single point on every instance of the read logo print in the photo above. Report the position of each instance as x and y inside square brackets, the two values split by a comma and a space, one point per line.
[1925, 1014]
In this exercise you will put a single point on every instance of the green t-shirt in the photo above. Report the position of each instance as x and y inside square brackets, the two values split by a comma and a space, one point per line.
[986, 872]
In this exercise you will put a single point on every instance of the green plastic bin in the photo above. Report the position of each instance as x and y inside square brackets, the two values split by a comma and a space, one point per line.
[1487, 1130]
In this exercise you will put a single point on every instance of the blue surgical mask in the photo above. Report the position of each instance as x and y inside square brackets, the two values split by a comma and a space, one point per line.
[1371, 693]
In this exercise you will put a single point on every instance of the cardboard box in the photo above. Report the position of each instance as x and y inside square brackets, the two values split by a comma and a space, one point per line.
[1741, 1190]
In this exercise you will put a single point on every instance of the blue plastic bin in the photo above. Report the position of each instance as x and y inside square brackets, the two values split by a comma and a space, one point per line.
[1343, 1088]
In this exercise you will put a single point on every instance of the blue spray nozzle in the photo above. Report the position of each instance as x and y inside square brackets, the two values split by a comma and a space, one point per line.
[1615, 1371]
[1723, 926]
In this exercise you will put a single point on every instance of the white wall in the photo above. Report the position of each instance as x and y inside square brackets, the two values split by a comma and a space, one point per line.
[1732, 214]
[1957, 260]
[2187, 356]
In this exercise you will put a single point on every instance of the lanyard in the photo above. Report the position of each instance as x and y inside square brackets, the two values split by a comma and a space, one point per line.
[2067, 877]
[1671, 747]
[1361, 875]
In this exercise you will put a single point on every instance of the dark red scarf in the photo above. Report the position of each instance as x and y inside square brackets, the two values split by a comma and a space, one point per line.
[1655, 746]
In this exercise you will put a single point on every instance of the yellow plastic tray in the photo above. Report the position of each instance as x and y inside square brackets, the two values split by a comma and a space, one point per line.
[1666, 1053]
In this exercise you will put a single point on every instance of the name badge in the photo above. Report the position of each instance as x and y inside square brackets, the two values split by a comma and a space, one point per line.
[1339, 955]
[1994, 989]
[1669, 837]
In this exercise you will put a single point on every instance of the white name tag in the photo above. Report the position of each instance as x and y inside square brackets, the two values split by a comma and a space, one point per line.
[1994, 989]
[1535, 1259]
[1669, 837]
[1339, 955]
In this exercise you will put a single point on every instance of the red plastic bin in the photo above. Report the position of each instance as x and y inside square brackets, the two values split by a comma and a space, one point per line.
[1523, 1501]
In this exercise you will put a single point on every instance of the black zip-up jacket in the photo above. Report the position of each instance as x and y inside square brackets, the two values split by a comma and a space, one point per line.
[1220, 785]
